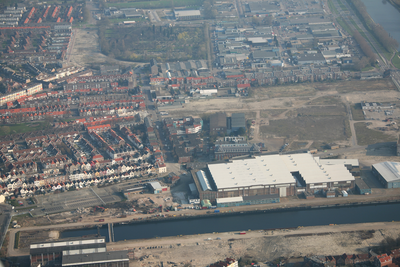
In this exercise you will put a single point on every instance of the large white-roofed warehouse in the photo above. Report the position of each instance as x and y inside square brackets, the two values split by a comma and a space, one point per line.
[263, 179]
[388, 173]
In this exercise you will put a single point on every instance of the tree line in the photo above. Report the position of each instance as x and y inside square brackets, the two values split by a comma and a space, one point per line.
[210, 12]
[377, 30]
[366, 49]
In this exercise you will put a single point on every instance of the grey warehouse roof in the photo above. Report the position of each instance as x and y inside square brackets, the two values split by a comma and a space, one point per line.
[238, 120]
[205, 184]
[95, 258]
[185, 13]
[390, 171]
[49, 247]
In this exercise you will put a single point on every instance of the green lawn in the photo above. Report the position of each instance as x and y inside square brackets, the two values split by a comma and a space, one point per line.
[396, 60]
[332, 7]
[367, 136]
[342, 6]
[357, 112]
[23, 127]
[344, 25]
[367, 68]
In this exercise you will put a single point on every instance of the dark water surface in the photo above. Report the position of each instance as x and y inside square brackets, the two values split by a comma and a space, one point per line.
[254, 221]
[383, 13]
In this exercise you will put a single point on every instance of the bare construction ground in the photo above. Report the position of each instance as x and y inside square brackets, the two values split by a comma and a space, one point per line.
[86, 50]
[202, 250]
[318, 110]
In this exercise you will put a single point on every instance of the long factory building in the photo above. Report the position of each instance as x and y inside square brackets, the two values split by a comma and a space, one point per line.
[88, 252]
[264, 179]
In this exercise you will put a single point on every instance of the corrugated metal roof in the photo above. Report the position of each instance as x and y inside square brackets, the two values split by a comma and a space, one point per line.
[156, 185]
[390, 171]
[68, 243]
[238, 120]
[83, 251]
[95, 258]
[192, 187]
[205, 184]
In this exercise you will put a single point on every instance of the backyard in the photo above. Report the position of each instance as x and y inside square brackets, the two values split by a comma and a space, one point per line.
[23, 128]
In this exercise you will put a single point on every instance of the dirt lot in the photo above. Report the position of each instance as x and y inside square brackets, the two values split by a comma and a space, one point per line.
[260, 245]
[318, 110]
[86, 50]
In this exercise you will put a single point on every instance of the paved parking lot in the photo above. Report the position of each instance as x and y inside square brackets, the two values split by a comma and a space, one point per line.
[86, 197]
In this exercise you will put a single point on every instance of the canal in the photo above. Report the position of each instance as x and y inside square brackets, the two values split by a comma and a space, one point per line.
[385, 14]
[254, 221]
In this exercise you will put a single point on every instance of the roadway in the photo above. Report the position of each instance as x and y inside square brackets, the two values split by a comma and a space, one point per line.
[384, 64]
[352, 17]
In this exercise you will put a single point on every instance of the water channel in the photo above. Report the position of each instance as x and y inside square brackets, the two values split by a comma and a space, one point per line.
[253, 221]
[385, 14]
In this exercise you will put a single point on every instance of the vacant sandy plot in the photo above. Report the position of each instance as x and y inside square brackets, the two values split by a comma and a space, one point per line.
[260, 245]
[315, 111]
[86, 50]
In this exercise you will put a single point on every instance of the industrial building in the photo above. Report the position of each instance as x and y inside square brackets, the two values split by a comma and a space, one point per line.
[157, 188]
[269, 177]
[310, 58]
[187, 14]
[50, 253]
[218, 123]
[111, 259]
[236, 121]
[77, 252]
[388, 173]
[234, 146]
[362, 188]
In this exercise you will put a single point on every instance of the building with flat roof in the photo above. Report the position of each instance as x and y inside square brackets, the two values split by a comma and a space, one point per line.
[237, 121]
[311, 58]
[388, 173]
[263, 7]
[218, 123]
[233, 146]
[51, 253]
[270, 175]
[109, 259]
[187, 14]
[362, 188]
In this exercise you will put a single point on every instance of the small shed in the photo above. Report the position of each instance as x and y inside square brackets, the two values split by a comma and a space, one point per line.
[362, 188]
[156, 187]
[205, 203]
[330, 193]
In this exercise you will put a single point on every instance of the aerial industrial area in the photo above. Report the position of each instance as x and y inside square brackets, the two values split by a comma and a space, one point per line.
[145, 133]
